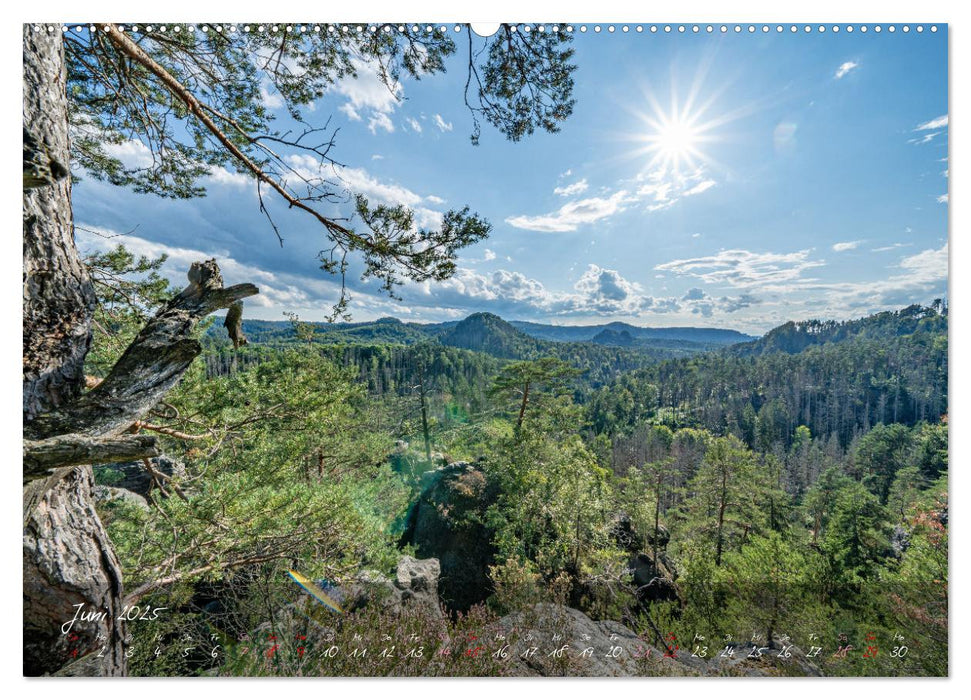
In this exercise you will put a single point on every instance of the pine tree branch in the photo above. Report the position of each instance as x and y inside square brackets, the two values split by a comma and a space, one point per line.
[133, 51]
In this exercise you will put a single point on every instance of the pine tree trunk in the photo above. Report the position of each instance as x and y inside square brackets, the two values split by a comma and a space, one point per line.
[68, 560]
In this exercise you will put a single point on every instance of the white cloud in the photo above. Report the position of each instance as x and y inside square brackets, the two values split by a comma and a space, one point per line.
[935, 126]
[664, 187]
[368, 96]
[925, 138]
[441, 123]
[578, 187]
[221, 176]
[132, 153]
[700, 187]
[892, 246]
[434, 200]
[943, 199]
[380, 120]
[606, 291]
[658, 189]
[845, 68]
[938, 123]
[359, 181]
[414, 124]
[572, 214]
[489, 255]
[926, 266]
[598, 292]
[743, 268]
[274, 291]
[271, 98]
[348, 109]
[310, 295]
[848, 245]
[367, 91]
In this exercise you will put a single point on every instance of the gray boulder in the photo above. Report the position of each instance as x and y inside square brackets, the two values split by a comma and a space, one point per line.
[444, 523]
[415, 586]
[133, 477]
[107, 494]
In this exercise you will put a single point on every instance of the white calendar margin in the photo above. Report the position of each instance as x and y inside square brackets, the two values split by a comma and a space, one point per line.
[490, 11]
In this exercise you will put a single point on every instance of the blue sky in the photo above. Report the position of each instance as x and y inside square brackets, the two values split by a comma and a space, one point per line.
[805, 176]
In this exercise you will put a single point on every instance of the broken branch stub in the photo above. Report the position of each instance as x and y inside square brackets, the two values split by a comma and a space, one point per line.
[149, 367]
[42, 457]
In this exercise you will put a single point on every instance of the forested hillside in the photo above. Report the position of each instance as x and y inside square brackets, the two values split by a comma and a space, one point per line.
[793, 493]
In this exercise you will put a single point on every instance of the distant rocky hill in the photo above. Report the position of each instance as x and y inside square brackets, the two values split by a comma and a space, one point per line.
[486, 332]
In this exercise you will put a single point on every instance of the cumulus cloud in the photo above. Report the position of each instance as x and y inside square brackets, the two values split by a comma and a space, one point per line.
[131, 153]
[598, 292]
[943, 199]
[414, 124]
[576, 188]
[380, 120]
[927, 266]
[368, 93]
[572, 214]
[348, 109]
[743, 268]
[606, 291]
[848, 245]
[845, 68]
[134, 154]
[271, 98]
[743, 301]
[274, 290]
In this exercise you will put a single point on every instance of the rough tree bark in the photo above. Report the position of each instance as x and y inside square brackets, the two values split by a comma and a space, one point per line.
[69, 565]
[67, 557]
[58, 294]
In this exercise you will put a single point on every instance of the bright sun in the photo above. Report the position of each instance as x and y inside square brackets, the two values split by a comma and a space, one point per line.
[675, 140]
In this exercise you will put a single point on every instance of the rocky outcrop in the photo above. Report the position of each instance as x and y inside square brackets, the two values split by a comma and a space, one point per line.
[445, 523]
[625, 534]
[749, 660]
[132, 476]
[654, 581]
[108, 494]
[587, 647]
[568, 643]
[415, 585]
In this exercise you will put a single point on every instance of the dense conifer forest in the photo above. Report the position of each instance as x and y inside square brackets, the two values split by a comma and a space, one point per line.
[793, 485]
